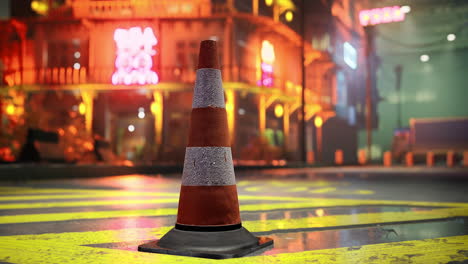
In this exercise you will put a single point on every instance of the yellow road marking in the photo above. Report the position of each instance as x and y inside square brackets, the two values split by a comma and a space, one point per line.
[16, 190]
[99, 193]
[335, 220]
[359, 219]
[54, 217]
[323, 190]
[94, 193]
[297, 189]
[96, 237]
[254, 189]
[243, 183]
[286, 184]
[300, 203]
[38, 248]
[331, 190]
[310, 184]
[83, 196]
[67, 248]
[30, 190]
[139, 195]
[29, 218]
[80, 194]
[5, 206]
[364, 192]
[87, 203]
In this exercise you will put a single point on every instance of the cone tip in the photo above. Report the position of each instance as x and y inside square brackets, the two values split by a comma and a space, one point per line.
[208, 57]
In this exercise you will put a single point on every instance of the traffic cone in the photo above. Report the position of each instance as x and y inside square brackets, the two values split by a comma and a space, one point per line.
[208, 220]
[430, 159]
[450, 159]
[387, 158]
[409, 158]
[339, 157]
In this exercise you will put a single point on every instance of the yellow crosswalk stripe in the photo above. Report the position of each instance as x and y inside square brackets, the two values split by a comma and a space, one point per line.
[85, 196]
[86, 203]
[70, 247]
[40, 249]
[325, 221]
[323, 190]
[31, 194]
[298, 203]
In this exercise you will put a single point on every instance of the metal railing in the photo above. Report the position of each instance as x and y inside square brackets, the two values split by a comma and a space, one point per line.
[123, 8]
[168, 74]
[82, 75]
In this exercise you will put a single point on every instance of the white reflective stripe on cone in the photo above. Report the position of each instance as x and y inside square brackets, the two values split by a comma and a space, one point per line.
[208, 166]
[208, 90]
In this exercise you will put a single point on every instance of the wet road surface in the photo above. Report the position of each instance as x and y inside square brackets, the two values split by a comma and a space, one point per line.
[313, 215]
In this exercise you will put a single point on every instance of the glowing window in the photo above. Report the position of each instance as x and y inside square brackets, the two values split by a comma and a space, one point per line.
[268, 52]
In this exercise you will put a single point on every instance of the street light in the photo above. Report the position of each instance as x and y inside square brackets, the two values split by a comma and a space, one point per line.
[424, 58]
[279, 111]
[10, 109]
[451, 37]
[318, 122]
[289, 16]
[405, 9]
[82, 108]
[280, 7]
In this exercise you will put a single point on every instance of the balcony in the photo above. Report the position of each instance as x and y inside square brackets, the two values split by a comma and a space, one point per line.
[240, 78]
[97, 75]
[128, 8]
[45, 76]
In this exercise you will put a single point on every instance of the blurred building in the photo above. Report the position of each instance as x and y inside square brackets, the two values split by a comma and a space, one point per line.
[123, 71]
[335, 31]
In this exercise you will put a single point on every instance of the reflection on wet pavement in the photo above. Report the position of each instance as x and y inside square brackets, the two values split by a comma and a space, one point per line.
[319, 212]
[304, 214]
[354, 238]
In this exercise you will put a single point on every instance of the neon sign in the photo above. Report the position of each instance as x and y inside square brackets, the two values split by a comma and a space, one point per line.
[381, 15]
[268, 58]
[134, 56]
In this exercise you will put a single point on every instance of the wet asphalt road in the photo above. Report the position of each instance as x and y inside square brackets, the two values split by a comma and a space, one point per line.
[328, 215]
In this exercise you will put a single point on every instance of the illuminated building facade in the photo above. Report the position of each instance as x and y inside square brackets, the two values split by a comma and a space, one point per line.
[124, 71]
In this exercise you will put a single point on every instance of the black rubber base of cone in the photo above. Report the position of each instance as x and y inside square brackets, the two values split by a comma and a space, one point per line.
[214, 245]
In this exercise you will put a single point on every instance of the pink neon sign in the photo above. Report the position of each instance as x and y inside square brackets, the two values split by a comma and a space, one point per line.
[381, 15]
[267, 75]
[134, 56]
[267, 55]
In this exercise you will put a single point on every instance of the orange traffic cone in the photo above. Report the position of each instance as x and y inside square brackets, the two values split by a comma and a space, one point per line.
[409, 158]
[208, 220]
[339, 157]
[450, 159]
[430, 160]
[387, 158]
